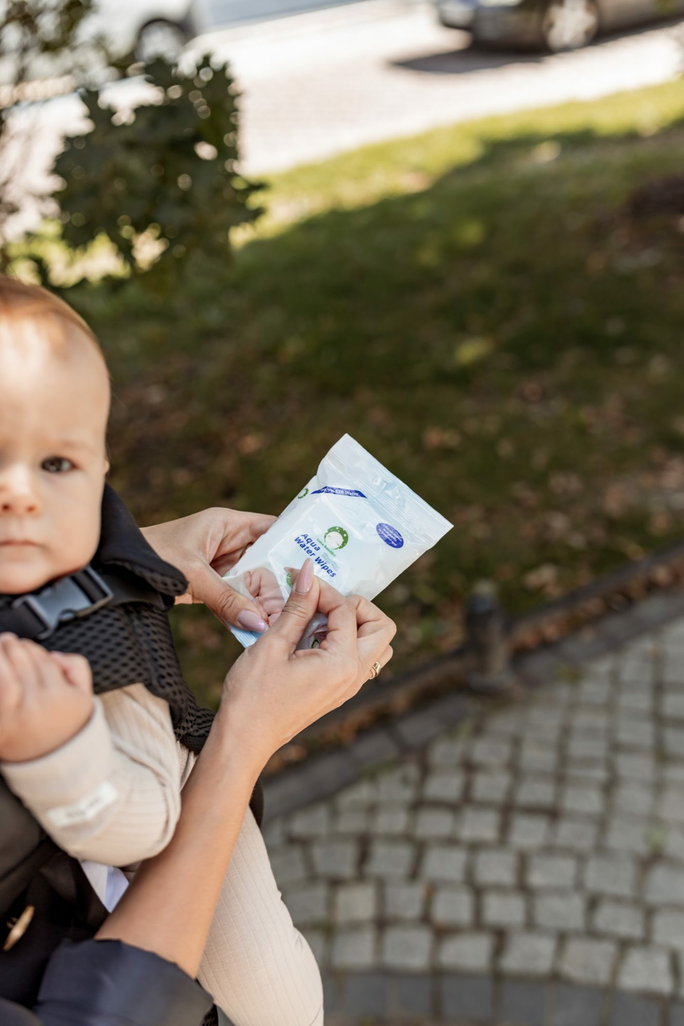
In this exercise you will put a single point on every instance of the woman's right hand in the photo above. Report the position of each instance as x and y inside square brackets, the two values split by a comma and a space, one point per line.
[273, 691]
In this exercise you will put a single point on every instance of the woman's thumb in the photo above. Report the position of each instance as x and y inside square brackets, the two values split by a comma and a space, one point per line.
[299, 608]
[226, 603]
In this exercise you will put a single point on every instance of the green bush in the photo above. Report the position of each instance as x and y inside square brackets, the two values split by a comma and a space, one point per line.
[161, 185]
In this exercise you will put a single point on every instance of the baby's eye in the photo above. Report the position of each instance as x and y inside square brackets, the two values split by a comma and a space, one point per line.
[56, 464]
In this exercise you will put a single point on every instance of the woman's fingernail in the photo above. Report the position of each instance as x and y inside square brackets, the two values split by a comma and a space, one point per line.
[251, 622]
[304, 578]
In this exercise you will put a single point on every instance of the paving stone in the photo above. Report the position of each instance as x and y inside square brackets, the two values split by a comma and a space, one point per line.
[274, 832]
[495, 867]
[587, 961]
[411, 996]
[523, 1003]
[355, 903]
[503, 908]
[586, 774]
[629, 1010]
[537, 757]
[404, 900]
[589, 749]
[466, 998]
[478, 824]
[673, 772]
[444, 786]
[563, 912]
[392, 820]
[313, 821]
[400, 784]
[527, 831]
[453, 906]
[434, 823]
[636, 700]
[528, 954]
[664, 885]
[647, 970]
[490, 787]
[532, 793]
[551, 872]
[619, 920]
[577, 1006]
[595, 692]
[389, 859]
[545, 716]
[587, 720]
[635, 766]
[444, 862]
[668, 929]
[446, 751]
[308, 903]
[288, 865]
[634, 733]
[354, 948]
[613, 875]
[504, 723]
[628, 835]
[364, 994]
[673, 843]
[676, 1014]
[673, 705]
[407, 947]
[490, 752]
[360, 795]
[318, 942]
[337, 858]
[636, 799]
[577, 834]
[671, 805]
[351, 821]
[673, 741]
[470, 952]
[588, 801]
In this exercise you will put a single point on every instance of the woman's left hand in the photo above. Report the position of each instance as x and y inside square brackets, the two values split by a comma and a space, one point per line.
[206, 545]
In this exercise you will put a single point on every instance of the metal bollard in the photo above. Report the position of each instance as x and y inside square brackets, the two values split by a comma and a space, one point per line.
[489, 671]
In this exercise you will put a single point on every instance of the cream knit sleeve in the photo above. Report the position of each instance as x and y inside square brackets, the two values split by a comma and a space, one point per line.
[112, 793]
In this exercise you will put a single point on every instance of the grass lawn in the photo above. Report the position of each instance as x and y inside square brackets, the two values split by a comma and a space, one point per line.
[476, 307]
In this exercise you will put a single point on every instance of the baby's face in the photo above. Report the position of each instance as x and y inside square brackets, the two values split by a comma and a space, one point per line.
[53, 418]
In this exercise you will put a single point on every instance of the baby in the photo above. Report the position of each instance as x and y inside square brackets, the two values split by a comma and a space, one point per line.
[109, 793]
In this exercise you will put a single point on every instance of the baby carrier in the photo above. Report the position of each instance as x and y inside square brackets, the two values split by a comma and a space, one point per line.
[115, 613]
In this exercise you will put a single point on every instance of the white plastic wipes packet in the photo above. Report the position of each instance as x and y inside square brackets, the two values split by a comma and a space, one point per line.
[360, 525]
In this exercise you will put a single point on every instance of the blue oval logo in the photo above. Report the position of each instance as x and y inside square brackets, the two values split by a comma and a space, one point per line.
[390, 535]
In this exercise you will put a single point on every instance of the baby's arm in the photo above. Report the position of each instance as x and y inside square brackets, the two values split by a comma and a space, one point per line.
[110, 793]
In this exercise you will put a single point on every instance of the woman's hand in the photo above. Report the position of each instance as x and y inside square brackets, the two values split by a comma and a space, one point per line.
[273, 691]
[206, 545]
[46, 698]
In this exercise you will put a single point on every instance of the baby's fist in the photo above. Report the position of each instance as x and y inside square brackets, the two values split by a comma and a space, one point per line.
[45, 698]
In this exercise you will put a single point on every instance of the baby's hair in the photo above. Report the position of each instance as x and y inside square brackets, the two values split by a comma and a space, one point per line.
[21, 302]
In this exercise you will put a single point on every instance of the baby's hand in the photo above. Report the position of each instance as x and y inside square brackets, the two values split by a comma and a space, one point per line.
[45, 698]
[263, 586]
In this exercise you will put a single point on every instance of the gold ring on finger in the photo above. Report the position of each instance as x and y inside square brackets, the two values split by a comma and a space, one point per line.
[374, 671]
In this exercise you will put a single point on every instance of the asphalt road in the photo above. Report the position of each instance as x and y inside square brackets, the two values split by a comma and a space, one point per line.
[318, 84]
[321, 83]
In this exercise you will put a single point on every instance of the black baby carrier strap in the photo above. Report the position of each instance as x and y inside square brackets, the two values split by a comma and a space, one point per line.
[115, 613]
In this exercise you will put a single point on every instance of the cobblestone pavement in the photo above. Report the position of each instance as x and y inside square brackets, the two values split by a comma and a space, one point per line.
[526, 866]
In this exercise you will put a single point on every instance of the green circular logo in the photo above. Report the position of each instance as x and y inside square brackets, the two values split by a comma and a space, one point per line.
[336, 537]
[302, 494]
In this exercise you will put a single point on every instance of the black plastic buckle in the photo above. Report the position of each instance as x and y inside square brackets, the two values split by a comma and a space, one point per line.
[78, 594]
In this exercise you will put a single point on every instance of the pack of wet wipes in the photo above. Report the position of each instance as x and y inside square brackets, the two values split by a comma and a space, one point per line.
[360, 525]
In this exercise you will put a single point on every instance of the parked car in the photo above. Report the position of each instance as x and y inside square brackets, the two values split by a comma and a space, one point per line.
[552, 24]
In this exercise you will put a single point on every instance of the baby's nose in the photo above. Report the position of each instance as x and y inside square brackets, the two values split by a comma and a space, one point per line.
[17, 494]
